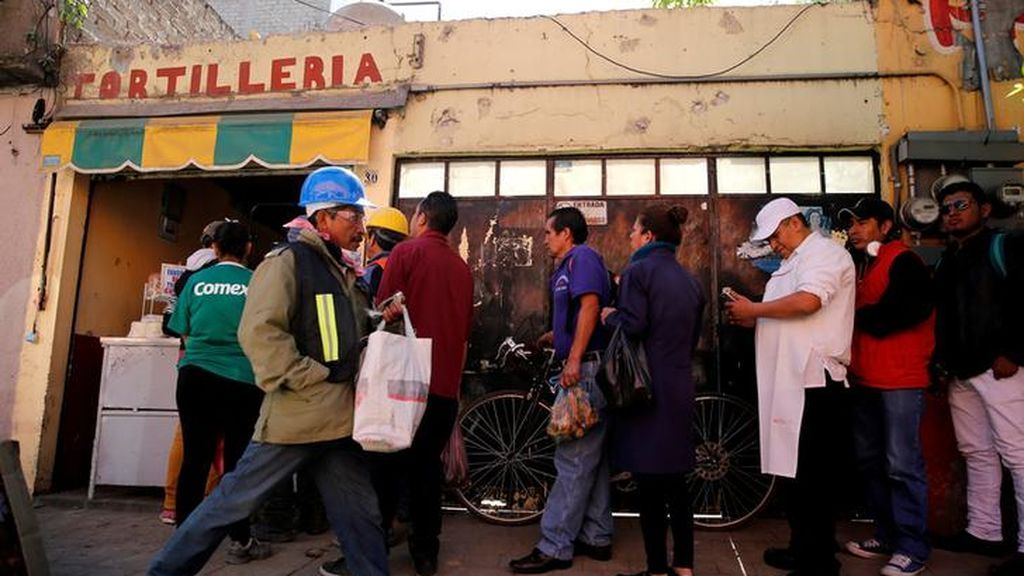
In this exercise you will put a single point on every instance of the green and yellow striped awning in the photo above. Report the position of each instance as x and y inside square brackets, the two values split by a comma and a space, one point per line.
[279, 140]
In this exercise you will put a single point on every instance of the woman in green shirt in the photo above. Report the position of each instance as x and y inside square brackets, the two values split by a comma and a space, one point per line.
[217, 395]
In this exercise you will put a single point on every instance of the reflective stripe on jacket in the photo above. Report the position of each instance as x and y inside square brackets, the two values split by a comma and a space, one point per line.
[300, 405]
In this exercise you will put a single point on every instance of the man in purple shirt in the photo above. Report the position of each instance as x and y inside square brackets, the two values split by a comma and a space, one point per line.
[578, 517]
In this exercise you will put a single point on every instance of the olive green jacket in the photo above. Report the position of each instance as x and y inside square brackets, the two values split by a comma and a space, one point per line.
[300, 406]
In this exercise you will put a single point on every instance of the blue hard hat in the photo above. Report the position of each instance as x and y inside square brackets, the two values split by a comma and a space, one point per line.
[332, 186]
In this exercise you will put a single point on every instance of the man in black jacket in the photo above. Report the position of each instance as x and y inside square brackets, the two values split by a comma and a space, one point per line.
[980, 347]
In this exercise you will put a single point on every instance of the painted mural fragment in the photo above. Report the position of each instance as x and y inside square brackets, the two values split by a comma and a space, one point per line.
[943, 20]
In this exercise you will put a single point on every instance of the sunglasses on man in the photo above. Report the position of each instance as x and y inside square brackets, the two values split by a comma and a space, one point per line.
[960, 205]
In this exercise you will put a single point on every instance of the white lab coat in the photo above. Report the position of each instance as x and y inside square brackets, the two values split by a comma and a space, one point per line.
[793, 354]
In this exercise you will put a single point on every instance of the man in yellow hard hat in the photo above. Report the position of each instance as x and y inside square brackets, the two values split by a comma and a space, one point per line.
[385, 228]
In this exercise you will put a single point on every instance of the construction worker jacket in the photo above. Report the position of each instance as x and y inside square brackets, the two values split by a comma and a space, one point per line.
[323, 322]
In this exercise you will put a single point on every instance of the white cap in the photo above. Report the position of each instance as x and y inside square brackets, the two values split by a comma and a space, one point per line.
[770, 216]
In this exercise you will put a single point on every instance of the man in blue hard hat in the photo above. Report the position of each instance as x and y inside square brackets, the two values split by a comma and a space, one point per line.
[303, 319]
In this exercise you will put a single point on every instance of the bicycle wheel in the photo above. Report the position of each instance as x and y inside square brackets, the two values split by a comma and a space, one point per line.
[510, 457]
[727, 486]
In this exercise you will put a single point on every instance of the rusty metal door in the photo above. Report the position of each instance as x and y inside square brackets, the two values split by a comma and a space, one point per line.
[502, 240]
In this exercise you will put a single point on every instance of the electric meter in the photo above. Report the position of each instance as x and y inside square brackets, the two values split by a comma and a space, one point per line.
[920, 213]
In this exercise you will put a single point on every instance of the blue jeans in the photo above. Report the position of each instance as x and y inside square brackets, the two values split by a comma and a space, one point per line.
[579, 505]
[340, 473]
[887, 441]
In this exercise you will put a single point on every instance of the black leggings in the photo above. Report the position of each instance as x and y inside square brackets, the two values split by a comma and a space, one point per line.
[209, 407]
[656, 494]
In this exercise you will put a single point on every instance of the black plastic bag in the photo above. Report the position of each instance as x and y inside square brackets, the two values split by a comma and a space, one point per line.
[625, 378]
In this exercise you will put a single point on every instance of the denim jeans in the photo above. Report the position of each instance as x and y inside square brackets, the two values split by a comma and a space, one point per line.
[340, 473]
[579, 507]
[887, 441]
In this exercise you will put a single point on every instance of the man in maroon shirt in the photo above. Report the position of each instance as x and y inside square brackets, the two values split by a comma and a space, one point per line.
[438, 289]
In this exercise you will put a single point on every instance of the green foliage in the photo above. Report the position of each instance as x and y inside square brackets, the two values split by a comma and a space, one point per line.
[681, 3]
[73, 13]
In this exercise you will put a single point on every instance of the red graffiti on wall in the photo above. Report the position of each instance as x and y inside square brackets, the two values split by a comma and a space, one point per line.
[943, 19]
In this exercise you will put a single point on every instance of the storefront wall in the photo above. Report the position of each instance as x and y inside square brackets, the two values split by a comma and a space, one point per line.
[23, 193]
[523, 87]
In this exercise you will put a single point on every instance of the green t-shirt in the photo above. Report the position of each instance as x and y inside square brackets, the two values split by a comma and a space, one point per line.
[207, 315]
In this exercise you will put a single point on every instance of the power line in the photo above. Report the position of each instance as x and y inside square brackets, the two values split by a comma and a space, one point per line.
[635, 70]
[342, 16]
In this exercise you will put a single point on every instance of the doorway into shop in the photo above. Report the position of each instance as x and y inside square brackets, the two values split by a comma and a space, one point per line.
[133, 226]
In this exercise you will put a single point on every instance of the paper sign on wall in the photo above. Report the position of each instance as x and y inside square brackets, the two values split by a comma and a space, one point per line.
[594, 211]
[169, 274]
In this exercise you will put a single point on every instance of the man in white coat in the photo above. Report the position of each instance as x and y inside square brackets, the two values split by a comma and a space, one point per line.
[804, 327]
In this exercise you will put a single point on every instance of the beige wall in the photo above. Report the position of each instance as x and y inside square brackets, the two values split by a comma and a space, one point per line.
[123, 248]
[23, 193]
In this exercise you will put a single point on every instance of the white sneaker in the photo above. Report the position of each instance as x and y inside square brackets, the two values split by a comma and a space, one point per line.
[902, 565]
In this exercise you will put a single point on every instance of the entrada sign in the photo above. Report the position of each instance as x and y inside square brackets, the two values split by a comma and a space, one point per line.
[281, 75]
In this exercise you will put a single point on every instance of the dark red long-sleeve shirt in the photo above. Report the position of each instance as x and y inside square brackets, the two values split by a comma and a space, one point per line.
[438, 288]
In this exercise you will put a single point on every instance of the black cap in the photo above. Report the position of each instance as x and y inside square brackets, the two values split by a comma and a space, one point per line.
[868, 208]
[971, 188]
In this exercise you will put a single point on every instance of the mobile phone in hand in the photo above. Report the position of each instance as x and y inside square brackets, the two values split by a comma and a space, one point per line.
[731, 294]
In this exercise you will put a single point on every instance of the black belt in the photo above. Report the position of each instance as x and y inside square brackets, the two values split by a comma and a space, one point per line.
[592, 356]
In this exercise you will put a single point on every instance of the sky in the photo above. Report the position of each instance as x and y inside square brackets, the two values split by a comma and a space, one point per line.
[462, 9]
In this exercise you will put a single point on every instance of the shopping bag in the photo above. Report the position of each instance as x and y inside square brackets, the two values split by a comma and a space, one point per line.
[625, 378]
[571, 414]
[454, 459]
[391, 391]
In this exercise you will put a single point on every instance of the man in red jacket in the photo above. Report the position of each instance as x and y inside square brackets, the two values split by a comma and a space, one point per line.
[438, 289]
[893, 339]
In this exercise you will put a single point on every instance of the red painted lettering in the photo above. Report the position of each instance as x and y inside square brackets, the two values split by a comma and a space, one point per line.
[81, 80]
[244, 75]
[212, 88]
[279, 76]
[337, 70]
[137, 84]
[196, 83]
[367, 70]
[110, 85]
[313, 74]
[172, 75]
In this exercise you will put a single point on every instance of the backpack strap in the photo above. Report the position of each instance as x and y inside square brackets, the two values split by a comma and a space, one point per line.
[997, 253]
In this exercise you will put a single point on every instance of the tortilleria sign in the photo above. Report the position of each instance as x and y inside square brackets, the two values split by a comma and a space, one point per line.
[213, 79]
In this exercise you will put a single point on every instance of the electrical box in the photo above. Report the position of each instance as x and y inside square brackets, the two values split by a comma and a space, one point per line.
[1006, 186]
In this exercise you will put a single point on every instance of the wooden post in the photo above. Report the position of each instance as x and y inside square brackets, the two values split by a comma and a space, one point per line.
[21, 543]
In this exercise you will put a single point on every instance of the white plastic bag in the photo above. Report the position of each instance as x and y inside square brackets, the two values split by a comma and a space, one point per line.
[391, 391]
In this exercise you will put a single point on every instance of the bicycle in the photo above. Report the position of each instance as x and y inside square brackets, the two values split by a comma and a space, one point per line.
[510, 456]
[726, 485]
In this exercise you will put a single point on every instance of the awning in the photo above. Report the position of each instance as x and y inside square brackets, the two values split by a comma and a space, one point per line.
[278, 140]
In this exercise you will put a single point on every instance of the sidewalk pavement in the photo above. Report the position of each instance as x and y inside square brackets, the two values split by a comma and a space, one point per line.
[112, 539]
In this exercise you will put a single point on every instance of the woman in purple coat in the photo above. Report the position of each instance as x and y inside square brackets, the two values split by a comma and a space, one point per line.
[660, 304]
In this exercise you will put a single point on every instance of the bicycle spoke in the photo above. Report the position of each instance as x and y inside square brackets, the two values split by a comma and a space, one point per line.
[482, 429]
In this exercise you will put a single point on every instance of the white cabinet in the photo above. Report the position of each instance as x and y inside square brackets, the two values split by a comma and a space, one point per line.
[137, 412]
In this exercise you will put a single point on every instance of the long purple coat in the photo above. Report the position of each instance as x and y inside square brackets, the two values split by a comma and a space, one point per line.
[662, 304]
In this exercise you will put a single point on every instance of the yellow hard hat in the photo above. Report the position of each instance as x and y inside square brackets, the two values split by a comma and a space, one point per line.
[388, 218]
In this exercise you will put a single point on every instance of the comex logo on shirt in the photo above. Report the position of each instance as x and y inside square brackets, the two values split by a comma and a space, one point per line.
[219, 288]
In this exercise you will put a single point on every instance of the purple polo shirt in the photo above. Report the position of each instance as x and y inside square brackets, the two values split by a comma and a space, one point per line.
[582, 271]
